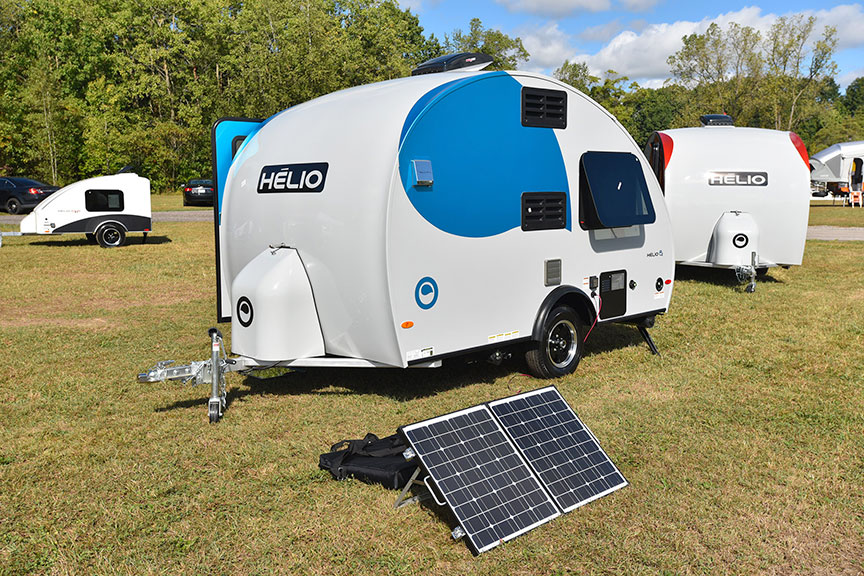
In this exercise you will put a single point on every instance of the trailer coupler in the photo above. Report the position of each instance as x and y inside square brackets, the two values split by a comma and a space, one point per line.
[210, 371]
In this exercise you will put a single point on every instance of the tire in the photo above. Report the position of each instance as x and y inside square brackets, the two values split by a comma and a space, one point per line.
[111, 235]
[13, 206]
[560, 347]
[91, 238]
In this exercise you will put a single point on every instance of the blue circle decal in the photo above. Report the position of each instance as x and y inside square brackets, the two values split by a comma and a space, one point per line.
[426, 293]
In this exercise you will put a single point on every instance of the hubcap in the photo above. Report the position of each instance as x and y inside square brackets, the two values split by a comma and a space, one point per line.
[562, 343]
[111, 236]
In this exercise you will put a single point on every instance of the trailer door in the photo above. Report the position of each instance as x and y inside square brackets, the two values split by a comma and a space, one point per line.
[614, 207]
[226, 139]
[856, 177]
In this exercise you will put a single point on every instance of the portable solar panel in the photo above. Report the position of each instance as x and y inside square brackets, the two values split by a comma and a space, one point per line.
[488, 485]
[560, 449]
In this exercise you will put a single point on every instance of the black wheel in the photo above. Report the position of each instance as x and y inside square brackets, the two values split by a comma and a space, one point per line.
[185, 202]
[91, 237]
[111, 235]
[213, 412]
[560, 347]
[13, 206]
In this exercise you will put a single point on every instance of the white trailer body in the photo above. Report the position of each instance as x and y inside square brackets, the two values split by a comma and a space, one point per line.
[838, 166]
[106, 207]
[400, 223]
[732, 191]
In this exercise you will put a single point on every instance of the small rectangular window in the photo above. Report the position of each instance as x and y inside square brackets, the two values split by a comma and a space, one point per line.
[544, 210]
[612, 191]
[235, 144]
[103, 200]
[544, 108]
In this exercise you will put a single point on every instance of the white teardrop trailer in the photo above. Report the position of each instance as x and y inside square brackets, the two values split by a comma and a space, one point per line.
[405, 222]
[838, 169]
[105, 209]
[738, 198]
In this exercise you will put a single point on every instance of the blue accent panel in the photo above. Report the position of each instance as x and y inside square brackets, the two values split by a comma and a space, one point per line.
[421, 104]
[224, 133]
[482, 157]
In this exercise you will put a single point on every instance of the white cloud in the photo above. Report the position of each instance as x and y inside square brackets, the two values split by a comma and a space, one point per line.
[642, 55]
[601, 32]
[556, 7]
[845, 79]
[548, 46]
[639, 5]
[849, 21]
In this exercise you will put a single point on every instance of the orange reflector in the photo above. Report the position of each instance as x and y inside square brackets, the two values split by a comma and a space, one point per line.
[408, 324]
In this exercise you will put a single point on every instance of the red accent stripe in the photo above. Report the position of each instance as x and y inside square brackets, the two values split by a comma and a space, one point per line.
[667, 148]
[802, 150]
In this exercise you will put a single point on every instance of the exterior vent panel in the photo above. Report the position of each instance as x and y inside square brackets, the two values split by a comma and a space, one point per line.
[544, 210]
[544, 108]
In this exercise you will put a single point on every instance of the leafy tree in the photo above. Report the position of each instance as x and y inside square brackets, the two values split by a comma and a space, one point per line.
[854, 98]
[793, 70]
[776, 81]
[506, 52]
[577, 75]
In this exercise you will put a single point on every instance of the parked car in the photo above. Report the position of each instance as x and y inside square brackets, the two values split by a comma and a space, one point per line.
[198, 192]
[22, 194]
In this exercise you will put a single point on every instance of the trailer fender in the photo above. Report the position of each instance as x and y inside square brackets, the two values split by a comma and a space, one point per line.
[570, 296]
[274, 312]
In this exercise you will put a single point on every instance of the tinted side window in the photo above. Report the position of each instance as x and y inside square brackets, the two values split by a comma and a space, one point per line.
[612, 191]
[5, 183]
[103, 200]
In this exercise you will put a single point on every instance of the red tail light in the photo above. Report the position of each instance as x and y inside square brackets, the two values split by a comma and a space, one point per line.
[802, 150]
[34, 191]
[187, 189]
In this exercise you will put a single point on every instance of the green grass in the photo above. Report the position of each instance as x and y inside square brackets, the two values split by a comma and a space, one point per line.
[823, 213]
[165, 202]
[743, 444]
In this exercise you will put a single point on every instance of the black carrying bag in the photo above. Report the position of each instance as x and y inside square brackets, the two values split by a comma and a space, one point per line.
[372, 460]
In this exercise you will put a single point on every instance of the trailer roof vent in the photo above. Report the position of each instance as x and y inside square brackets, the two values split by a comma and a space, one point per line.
[716, 120]
[468, 61]
[544, 108]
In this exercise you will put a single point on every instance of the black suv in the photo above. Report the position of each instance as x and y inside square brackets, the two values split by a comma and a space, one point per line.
[22, 194]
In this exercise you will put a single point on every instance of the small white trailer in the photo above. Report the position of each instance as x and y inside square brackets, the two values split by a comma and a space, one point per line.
[738, 197]
[105, 208]
[838, 168]
[406, 222]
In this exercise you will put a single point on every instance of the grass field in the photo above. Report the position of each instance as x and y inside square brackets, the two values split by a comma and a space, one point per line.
[822, 213]
[164, 202]
[743, 444]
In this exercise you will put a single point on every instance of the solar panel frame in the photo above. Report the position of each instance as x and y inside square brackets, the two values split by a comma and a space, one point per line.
[600, 460]
[506, 449]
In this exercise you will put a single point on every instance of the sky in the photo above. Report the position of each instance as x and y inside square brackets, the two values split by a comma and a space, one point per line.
[634, 37]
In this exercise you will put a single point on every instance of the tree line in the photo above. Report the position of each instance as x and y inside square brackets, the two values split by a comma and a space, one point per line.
[782, 80]
[89, 87]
